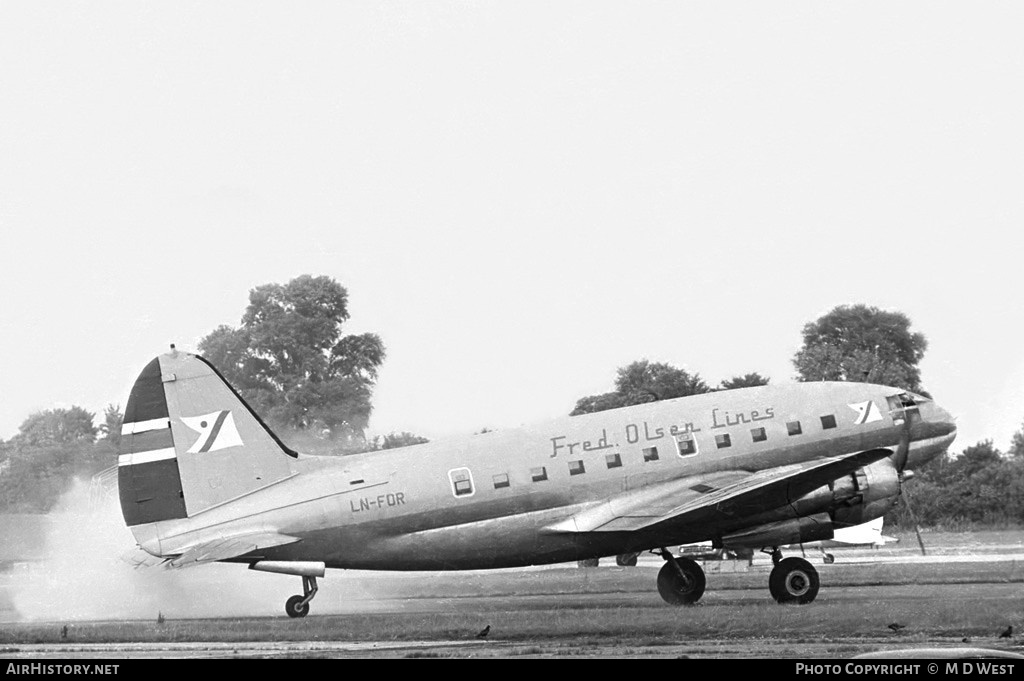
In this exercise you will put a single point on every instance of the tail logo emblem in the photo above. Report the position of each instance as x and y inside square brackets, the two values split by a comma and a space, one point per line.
[866, 412]
[216, 431]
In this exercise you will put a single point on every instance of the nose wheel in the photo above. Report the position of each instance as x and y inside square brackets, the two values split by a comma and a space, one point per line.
[298, 606]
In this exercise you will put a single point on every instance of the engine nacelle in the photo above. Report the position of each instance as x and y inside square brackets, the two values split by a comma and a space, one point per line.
[863, 495]
[878, 487]
[817, 527]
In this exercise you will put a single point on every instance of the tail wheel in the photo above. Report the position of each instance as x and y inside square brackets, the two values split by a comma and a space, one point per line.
[681, 581]
[296, 606]
[793, 580]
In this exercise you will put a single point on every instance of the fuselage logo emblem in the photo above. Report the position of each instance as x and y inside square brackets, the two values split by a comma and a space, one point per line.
[866, 412]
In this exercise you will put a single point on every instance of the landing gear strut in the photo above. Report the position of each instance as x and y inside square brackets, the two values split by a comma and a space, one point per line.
[298, 606]
[681, 581]
[775, 553]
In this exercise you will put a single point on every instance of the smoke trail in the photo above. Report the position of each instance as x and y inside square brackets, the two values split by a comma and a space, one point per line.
[83, 576]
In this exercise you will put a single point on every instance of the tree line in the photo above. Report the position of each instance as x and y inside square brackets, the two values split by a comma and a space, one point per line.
[290, 359]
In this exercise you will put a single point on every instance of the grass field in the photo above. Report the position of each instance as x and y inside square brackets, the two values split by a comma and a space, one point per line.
[609, 611]
[596, 605]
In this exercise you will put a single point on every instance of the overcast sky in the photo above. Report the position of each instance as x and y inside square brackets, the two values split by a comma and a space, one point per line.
[520, 197]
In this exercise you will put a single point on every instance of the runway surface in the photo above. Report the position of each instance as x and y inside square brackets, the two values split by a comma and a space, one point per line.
[956, 592]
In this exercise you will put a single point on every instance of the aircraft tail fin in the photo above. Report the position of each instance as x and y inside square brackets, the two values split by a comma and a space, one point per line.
[190, 442]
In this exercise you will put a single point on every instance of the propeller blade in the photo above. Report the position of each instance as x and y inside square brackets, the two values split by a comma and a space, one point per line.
[913, 519]
[902, 450]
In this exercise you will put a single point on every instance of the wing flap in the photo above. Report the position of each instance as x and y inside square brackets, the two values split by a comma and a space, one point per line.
[724, 494]
[229, 547]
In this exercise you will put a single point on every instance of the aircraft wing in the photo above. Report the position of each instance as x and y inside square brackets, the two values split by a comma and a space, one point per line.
[722, 495]
[229, 547]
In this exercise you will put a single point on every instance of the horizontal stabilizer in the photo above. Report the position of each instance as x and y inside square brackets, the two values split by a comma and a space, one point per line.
[230, 547]
[140, 559]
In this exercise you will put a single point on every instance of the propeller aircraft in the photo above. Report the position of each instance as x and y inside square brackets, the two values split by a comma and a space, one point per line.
[203, 479]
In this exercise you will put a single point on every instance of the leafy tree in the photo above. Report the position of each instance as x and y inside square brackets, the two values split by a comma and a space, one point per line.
[980, 486]
[595, 403]
[1017, 444]
[57, 426]
[290, 360]
[745, 381]
[643, 381]
[403, 439]
[864, 344]
[113, 418]
[976, 458]
[51, 448]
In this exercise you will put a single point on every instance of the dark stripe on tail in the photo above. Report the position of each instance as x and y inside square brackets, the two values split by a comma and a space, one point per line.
[147, 400]
[149, 491]
[146, 442]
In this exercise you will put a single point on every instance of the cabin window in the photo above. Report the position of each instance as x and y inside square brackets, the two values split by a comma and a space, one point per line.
[462, 482]
[828, 421]
[722, 441]
[794, 428]
[539, 474]
[650, 453]
[687, 444]
[576, 468]
[501, 480]
[758, 434]
[613, 460]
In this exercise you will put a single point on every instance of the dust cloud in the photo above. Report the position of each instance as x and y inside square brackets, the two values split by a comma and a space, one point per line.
[83, 575]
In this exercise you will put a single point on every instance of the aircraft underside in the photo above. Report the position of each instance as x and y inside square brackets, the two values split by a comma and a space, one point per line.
[510, 542]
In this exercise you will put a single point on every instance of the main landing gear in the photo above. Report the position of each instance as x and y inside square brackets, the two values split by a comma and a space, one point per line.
[298, 606]
[792, 580]
[681, 581]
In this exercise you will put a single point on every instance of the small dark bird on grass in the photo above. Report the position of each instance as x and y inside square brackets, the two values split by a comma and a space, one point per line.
[1008, 633]
[64, 631]
[483, 632]
[965, 640]
[896, 626]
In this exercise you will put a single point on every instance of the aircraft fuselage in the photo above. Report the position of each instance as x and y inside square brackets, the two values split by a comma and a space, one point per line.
[491, 500]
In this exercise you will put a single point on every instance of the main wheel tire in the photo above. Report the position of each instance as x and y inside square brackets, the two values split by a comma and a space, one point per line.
[793, 581]
[681, 589]
[295, 607]
[626, 559]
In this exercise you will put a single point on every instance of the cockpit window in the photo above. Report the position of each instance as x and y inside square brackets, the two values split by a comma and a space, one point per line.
[909, 399]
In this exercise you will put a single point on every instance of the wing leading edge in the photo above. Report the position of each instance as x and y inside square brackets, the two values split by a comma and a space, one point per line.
[723, 495]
